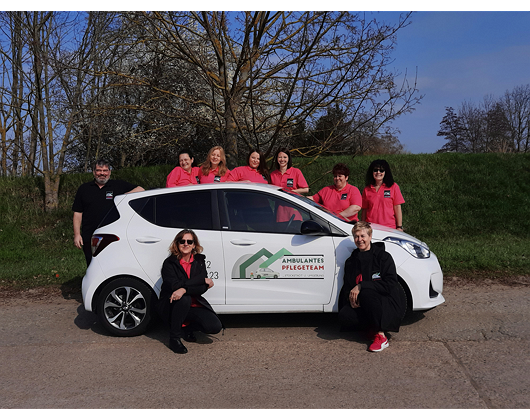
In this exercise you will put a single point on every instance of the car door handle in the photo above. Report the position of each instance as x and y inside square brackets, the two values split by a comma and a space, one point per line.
[242, 242]
[148, 240]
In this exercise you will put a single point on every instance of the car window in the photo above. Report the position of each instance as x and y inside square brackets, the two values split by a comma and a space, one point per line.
[111, 216]
[183, 210]
[319, 206]
[259, 212]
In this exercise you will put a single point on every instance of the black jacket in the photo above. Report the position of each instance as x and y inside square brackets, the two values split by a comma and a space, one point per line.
[174, 277]
[378, 273]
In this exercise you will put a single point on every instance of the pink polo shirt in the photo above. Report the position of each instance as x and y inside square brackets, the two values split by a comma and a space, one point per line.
[291, 179]
[186, 265]
[379, 205]
[179, 176]
[338, 201]
[246, 173]
[213, 176]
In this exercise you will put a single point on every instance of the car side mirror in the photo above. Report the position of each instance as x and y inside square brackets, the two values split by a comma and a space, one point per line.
[312, 228]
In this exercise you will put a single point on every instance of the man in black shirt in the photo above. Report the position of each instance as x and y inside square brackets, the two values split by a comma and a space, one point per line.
[92, 202]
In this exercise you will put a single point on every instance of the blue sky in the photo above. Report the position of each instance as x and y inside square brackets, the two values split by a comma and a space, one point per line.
[459, 56]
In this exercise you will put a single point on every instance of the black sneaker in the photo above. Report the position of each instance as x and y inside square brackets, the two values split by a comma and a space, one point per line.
[176, 345]
[189, 336]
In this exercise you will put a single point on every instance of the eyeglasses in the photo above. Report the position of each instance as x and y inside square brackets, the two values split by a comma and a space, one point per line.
[379, 170]
[186, 241]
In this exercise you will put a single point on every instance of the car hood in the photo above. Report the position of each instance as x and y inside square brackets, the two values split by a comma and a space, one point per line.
[381, 232]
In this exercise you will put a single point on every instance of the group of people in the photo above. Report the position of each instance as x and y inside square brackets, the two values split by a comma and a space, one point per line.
[370, 296]
[379, 203]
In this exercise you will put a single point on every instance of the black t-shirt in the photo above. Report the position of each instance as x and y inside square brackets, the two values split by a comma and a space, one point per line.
[95, 202]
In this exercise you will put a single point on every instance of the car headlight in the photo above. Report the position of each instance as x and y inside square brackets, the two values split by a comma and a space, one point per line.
[413, 248]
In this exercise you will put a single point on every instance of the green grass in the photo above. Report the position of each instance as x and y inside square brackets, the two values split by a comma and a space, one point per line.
[472, 211]
[35, 247]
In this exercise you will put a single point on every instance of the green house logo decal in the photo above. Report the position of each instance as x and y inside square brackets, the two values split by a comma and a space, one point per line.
[261, 265]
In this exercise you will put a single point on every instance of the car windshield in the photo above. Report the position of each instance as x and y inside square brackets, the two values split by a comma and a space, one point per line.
[319, 206]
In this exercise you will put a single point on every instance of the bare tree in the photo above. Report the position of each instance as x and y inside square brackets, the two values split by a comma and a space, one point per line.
[12, 94]
[473, 121]
[268, 71]
[516, 105]
[497, 136]
[130, 85]
[51, 65]
[495, 125]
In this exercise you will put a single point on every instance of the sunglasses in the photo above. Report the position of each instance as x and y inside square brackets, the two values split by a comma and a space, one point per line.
[379, 170]
[186, 241]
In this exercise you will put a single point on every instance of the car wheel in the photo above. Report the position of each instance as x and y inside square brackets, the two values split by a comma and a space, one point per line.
[275, 276]
[258, 276]
[124, 307]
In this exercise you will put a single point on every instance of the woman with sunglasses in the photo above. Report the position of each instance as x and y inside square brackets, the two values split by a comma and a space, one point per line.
[382, 197]
[184, 281]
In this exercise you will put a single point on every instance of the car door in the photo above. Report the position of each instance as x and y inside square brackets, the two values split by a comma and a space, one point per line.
[160, 217]
[267, 260]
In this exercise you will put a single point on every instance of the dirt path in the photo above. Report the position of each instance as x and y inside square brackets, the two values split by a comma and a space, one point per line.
[471, 352]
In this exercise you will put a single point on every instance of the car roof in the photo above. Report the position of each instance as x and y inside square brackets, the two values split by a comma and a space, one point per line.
[255, 186]
[210, 186]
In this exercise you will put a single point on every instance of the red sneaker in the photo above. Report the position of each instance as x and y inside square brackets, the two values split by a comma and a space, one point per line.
[380, 343]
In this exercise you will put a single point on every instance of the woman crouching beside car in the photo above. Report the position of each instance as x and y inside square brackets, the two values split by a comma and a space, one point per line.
[184, 281]
[371, 297]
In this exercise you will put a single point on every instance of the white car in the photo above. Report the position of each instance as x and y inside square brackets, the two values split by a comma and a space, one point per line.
[265, 273]
[237, 225]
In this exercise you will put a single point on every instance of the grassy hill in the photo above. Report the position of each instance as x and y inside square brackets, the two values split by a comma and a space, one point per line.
[472, 211]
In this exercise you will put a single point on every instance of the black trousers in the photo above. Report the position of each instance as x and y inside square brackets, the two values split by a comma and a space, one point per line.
[87, 248]
[367, 316]
[200, 319]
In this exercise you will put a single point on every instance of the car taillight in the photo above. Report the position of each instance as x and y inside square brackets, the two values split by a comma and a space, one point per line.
[100, 242]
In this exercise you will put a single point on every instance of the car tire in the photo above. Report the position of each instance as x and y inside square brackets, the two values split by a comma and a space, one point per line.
[408, 309]
[275, 276]
[258, 276]
[124, 307]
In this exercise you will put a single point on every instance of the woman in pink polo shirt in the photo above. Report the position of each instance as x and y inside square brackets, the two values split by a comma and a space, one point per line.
[184, 174]
[341, 197]
[255, 171]
[382, 197]
[214, 169]
[288, 178]
[285, 175]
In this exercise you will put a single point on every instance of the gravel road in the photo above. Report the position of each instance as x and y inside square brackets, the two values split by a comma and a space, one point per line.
[471, 352]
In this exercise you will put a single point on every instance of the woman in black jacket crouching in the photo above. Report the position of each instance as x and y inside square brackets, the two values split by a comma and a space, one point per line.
[184, 281]
[371, 296]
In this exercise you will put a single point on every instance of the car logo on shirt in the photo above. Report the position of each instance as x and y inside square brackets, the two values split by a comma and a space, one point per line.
[290, 182]
[109, 195]
[217, 178]
[344, 196]
[387, 193]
